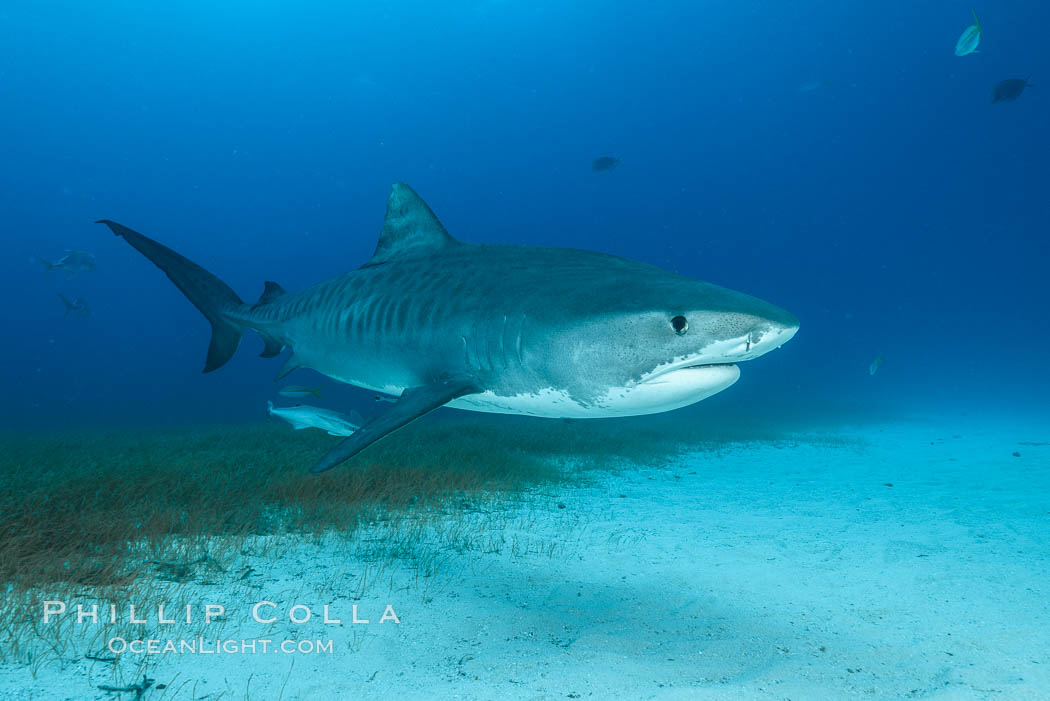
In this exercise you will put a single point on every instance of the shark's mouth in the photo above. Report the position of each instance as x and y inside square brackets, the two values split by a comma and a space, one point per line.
[679, 385]
[695, 362]
[697, 367]
[692, 371]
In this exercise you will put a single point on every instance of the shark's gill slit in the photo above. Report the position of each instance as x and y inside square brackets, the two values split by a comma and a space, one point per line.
[472, 350]
[502, 345]
[487, 342]
[518, 342]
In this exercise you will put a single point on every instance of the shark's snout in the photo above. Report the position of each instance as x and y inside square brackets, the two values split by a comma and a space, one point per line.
[740, 337]
[762, 337]
[768, 336]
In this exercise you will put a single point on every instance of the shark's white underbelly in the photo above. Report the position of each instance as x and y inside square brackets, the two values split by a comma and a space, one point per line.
[673, 391]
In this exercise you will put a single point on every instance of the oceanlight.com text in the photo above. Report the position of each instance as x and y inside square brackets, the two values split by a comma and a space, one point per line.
[232, 646]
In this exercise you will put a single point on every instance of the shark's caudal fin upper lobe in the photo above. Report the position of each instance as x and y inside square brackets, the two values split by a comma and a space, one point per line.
[209, 294]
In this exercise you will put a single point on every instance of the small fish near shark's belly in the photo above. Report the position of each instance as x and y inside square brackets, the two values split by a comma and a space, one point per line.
[686, 387]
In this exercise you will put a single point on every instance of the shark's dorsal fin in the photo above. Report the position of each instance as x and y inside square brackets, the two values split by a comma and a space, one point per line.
[410, 228]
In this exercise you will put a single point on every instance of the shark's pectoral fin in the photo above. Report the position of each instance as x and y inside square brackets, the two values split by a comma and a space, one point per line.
[413, 403]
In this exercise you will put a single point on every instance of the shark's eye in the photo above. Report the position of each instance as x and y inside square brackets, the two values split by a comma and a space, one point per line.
[680, 325]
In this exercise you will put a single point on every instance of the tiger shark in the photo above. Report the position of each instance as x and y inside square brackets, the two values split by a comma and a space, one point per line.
[530, 330]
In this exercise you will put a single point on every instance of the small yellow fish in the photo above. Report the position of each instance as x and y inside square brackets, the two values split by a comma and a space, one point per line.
[875, 365]
[970, 38]
[298, 391]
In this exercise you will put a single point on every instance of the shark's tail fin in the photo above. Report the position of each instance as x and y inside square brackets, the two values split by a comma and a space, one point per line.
[209, 294]
[69, 304]
[48, 265]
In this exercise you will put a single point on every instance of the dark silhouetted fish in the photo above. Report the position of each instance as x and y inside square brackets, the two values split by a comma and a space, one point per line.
[299, 391]
[605, 163]
[72, 262]
[1010, 89]
[77, 307]
[814, 85]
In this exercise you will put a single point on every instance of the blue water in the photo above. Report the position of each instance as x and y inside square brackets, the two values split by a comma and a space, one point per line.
[894, 209]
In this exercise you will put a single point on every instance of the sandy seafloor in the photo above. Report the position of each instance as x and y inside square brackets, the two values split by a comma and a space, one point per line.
[765, 571]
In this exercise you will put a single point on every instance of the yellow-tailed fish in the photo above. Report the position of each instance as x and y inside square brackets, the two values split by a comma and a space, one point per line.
[299, 392]
[970, 38]
[875, 365]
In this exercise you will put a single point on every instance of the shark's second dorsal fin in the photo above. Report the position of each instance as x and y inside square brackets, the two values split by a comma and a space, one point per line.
[410, 228]
[271, 292]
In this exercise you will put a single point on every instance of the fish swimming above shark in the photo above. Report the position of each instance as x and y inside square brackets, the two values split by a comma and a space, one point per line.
[77, 307]
[300, 392]
[1010, 89]
[529, 330]
[970, 38]
[72, 262]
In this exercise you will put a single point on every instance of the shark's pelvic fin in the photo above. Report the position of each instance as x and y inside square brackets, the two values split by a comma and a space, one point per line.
[410, 228]
[209, 294]
[413, 403]
[272, 347]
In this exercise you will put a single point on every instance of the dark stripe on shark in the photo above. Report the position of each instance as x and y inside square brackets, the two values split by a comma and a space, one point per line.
[388, 317]
[404, 308]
